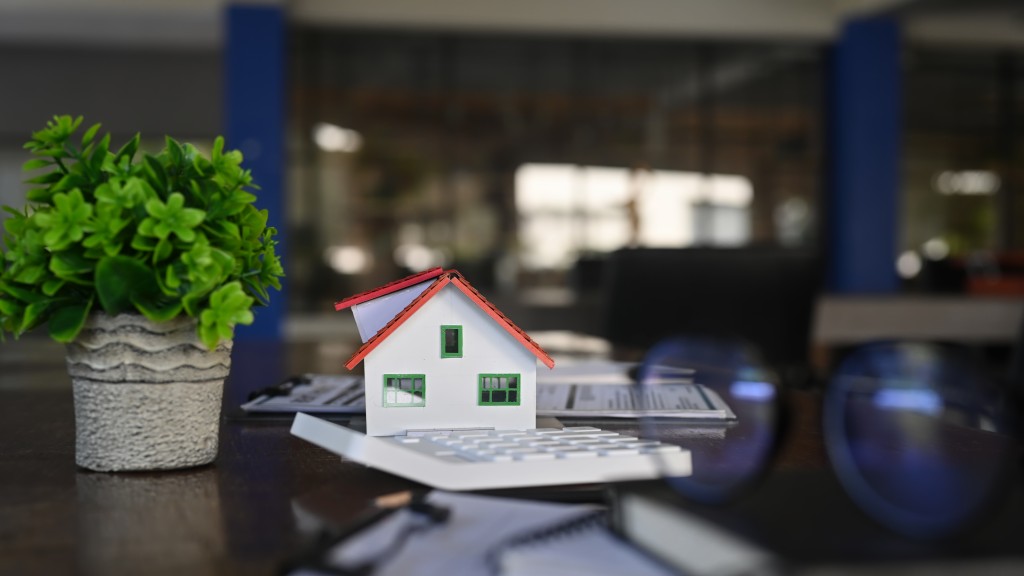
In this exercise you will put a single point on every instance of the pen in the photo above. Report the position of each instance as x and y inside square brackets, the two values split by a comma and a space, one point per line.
[315, 556]
[283, 389]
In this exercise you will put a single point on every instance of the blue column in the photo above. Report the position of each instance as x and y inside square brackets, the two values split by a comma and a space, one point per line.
[254, 112]
[865, 125]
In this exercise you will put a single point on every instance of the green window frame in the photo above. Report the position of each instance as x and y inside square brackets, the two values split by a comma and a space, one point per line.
[405, 391]
[499, 389]
[451, 341]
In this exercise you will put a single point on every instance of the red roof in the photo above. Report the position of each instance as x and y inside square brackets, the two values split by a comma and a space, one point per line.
[389, 288]
[443, 278]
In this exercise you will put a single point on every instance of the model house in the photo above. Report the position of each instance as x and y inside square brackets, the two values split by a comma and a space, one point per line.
[438, 356]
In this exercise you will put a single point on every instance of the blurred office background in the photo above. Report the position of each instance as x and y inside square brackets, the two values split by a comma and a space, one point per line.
[525, 142]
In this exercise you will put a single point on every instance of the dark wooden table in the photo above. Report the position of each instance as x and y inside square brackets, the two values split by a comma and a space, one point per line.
[268, 492]
[241, 515]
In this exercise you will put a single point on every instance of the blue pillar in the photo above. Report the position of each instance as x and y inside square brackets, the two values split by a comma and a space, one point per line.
[254, 112]
[865, 126]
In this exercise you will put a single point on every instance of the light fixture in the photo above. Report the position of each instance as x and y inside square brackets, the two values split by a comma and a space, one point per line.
[967, 182]
[332, 138]
[935, 249]
[347, 259]
[908, 265]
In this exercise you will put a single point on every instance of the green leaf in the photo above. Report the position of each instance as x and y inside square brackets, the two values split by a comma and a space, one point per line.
[67, 322]
[52, 286]
[130, 147]
[100, 154]
[90, 134]
[156, 309]
[66, 223]
[209, 336]
[193, 300]
[171, 278]
[119, 279]
[156, 172]
[163, 250]
[10, 308]
[35, 164]
[48, 178]
[67, 265]
[229, 305]
[26, 296]
[30, 274]
[174, 150]
[218, 148]
[39, 195]
[33, 315]
[143, 243]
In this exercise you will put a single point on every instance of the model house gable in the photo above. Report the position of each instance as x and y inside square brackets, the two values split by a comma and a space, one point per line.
[448, 360]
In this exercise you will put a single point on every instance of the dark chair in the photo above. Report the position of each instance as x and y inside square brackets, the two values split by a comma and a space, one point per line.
[763, 296]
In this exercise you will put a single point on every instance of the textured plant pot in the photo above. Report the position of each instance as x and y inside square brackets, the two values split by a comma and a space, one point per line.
[147, 396]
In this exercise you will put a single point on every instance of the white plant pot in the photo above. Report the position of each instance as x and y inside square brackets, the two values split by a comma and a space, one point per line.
[147, 396]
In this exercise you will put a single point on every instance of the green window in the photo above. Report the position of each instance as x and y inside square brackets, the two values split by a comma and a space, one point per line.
[405, 390]
[500, 390]
[451, 341]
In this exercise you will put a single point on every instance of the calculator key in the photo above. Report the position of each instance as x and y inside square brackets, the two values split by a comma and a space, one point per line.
[449, 442]
[518, 451]
[486, 441]
[583, 441]
[661, 449]
[619, 451]
[535, 456]
[581, 429]
[569, 454]
[408, 440]
[588, 435]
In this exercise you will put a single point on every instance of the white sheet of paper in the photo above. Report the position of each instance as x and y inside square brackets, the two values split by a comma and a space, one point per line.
[629, 401]
[600, 389]
[459, 547]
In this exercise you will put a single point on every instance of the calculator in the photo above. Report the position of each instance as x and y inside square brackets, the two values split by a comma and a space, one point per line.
[485, 459]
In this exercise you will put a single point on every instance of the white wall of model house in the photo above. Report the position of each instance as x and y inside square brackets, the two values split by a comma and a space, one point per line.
[451, 384]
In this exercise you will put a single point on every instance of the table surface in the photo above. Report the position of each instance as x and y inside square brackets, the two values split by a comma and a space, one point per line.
[268, 492]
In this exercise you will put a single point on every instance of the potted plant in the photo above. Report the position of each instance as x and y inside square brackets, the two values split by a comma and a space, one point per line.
[142, 264]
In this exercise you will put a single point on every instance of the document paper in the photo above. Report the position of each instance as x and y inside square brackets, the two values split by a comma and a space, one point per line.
[599, 389]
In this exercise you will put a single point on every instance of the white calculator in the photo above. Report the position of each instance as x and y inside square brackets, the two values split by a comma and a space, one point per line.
[484, 459]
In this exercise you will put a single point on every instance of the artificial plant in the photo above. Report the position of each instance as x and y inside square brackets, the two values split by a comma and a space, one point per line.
[122, 231]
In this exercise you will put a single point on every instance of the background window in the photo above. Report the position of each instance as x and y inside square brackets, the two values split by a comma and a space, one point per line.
[405, 390]
[499, 390]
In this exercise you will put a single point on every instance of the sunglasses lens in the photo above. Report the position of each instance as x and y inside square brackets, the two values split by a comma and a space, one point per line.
[916, 435]
[731, 400]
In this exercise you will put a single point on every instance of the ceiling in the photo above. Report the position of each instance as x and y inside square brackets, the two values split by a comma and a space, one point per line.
[198, 24]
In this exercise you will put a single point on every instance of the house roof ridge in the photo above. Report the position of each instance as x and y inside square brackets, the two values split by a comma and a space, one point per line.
[517, 332]
[388, 288]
